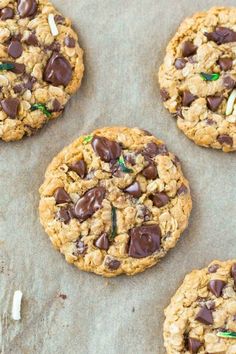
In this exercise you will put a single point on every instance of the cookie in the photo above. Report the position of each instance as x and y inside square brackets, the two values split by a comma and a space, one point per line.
[115, 201]
[41, 66]
[198, 78]
[201, 317]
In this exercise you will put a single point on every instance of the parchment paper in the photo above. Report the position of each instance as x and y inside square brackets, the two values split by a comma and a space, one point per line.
[124, 43]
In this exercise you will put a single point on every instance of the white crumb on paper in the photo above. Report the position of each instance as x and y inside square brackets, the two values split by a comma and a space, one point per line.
[16, 305]
[52, 25]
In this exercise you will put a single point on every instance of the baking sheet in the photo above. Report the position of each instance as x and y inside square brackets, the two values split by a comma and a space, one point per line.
[124, 43]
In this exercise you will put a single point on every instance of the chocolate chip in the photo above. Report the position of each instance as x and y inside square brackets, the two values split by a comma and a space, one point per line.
[18, 68]
[59, 19]
[112, 264]
[228, 82]
[164, 95]
[10, 106]
[150, 172]
[130, 158]
[56, 106]
[27, 8]
[54, 46]
[193, 345]
[160, 199]
[32, 40]
[225, 64]
[216, 286]
[29, 82]
[102, 242]
[214, 102]
[58, 70]
[204, 316]
[15, 49]
[81, 248]
[188, 48]
[6, 13]
[89, 203]
[69, 42]
[233, 272]
[222, 35]
[65, 215]
[134, 190]
[182, 190]
[144, 240]
[61, 196]
[225, 139]
[115, 169]
[188, 98]
[152, 149]
[213, 268]
[19, 88]
[210, 121]
[180, 63]
[80, 168]
[108, 150]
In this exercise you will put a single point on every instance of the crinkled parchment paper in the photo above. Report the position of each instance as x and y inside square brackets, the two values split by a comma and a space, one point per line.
[124, 43]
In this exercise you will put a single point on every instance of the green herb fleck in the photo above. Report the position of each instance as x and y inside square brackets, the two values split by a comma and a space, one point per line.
[42, 108]
[7, 66]
[210, 77]
[124, 169]
[113, 224]
[87, 139]
[227, 334]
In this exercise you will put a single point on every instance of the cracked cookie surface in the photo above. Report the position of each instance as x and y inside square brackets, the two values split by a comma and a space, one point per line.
[115, 201]
[201, 317]
[41, 66]
[198, 78]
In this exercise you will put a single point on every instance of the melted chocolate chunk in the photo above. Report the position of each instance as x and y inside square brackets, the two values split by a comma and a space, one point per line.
[134, 189]
[6, 13]
[56, 106]
[180, 63]
[130, 158]
[216, 287]
[164, 95]
[19, 88]
[80, 168]
[29, 82]
[193, 345]
[18, 68]
[160, 199]
[150, 172]
[152, 149]
[91, 201]
[15, 49]
[205, 316]
[81, 248]
[188, 48]
[213, 268]
[144, 241]
[214, 102]
[228, 82]
[61, 196]
[222, 35]
[10, 106]
[107, 150]
[225, 64]
[69, 42]
[32, 40]
[27, 8]
[102, 242]
[233, 272]
[112, 264]
[225, 139]
[188, 98]
[58, 70]
[65, 215]
[182, 190]
[54, 46]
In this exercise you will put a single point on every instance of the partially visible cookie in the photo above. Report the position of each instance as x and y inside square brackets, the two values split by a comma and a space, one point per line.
[41, 66]
[201, 317]
[198, 78]
[115, 201]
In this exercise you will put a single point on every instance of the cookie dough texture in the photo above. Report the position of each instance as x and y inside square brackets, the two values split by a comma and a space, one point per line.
[47, 68]
[115, 201]
[203, 305]
[204, 43]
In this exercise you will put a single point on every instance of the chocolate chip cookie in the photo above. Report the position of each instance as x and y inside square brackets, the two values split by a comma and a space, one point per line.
[198, 78]
[115, 201]
[201, 317]
[41, 66]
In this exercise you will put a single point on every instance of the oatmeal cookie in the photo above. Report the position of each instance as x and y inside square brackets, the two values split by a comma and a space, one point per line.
[198, 78]
[115, 201]
[201, 317]
[41, 65]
